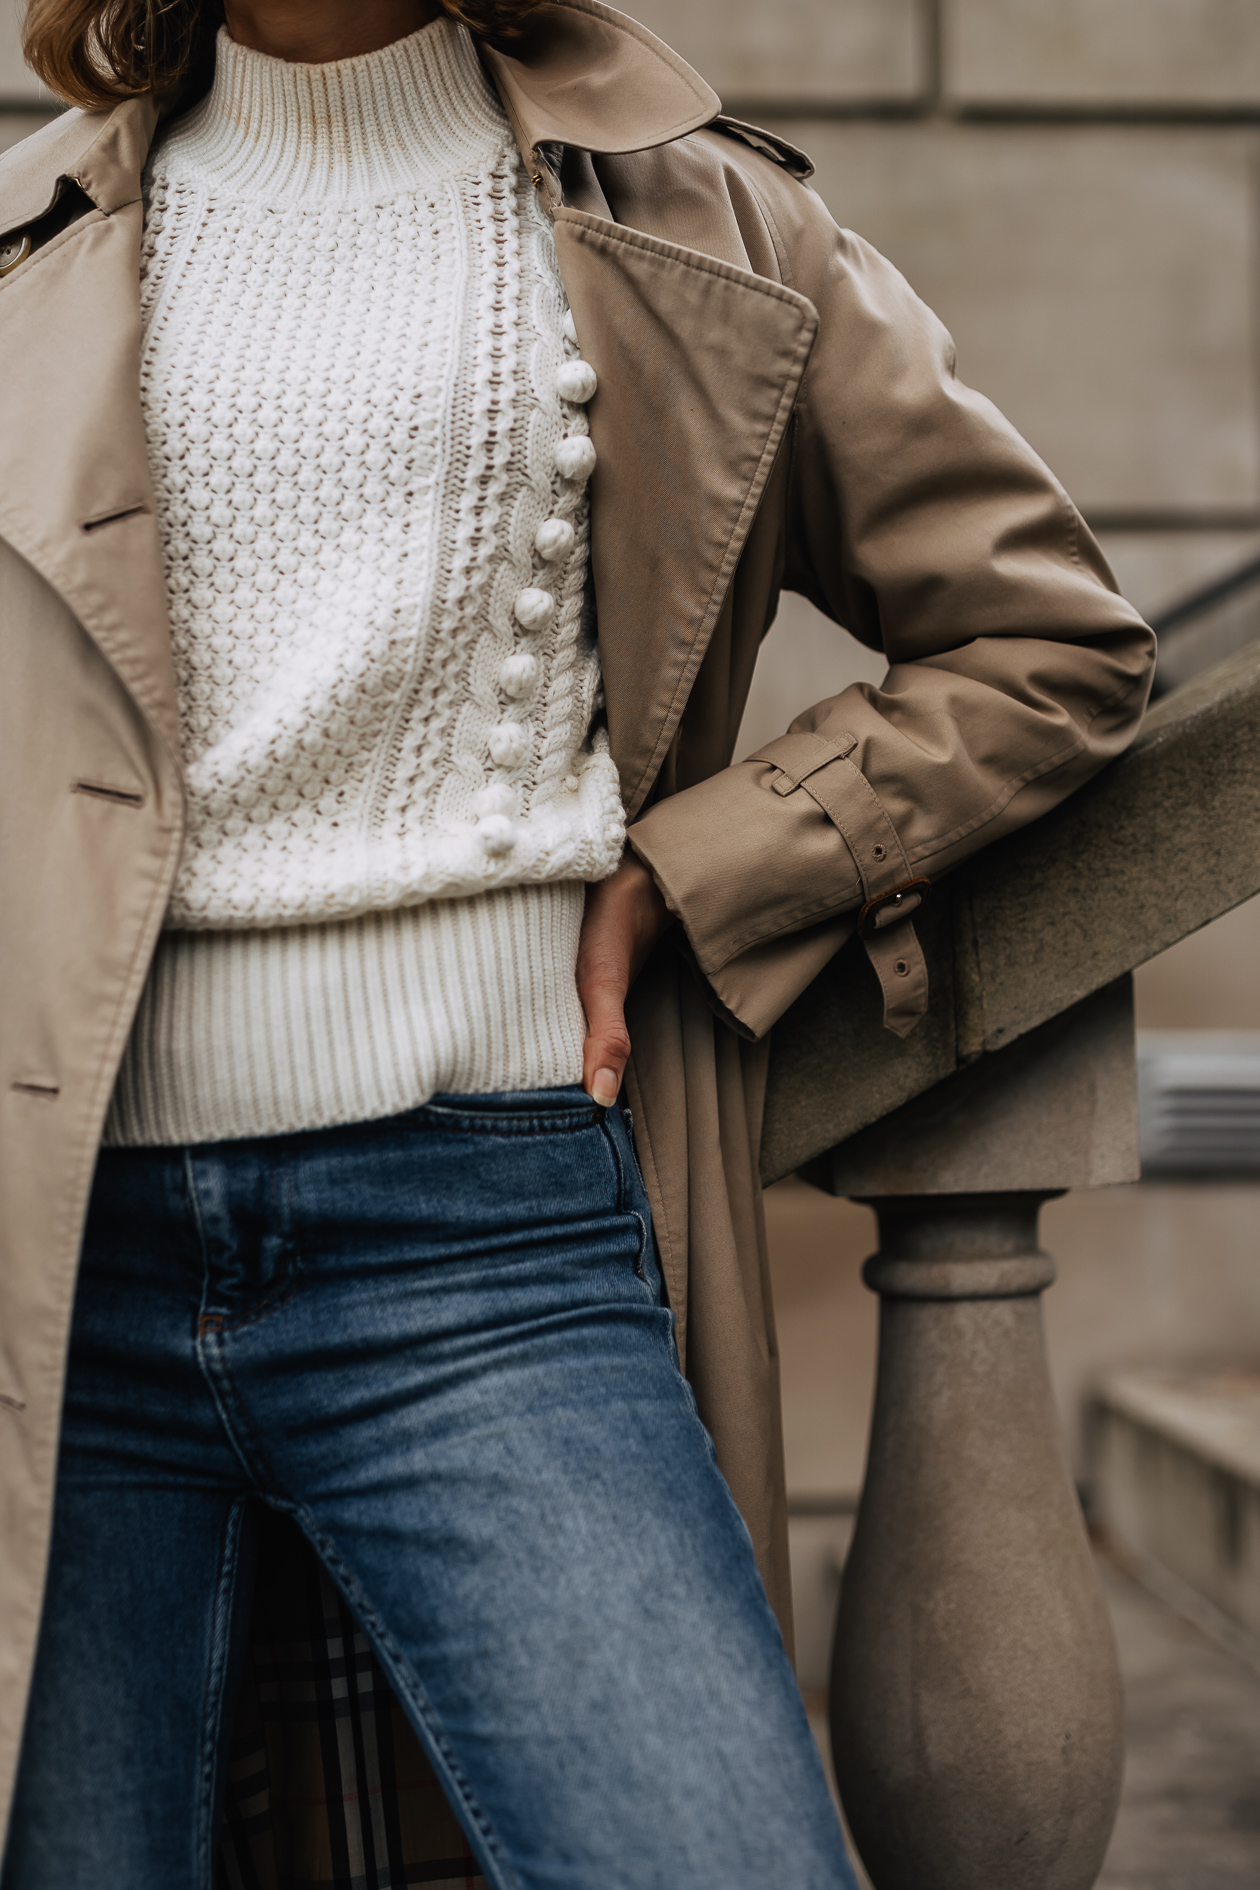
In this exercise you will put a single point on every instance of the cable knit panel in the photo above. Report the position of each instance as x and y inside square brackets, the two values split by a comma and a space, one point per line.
[365, 405]
[369, 447]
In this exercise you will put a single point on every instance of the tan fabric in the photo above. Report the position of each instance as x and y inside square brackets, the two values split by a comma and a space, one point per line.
[775, 406]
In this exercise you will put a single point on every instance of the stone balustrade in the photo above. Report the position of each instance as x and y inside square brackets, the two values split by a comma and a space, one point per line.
[1156, 846]
[975, 1702]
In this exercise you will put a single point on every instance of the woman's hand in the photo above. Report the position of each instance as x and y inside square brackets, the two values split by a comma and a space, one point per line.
[624, 917]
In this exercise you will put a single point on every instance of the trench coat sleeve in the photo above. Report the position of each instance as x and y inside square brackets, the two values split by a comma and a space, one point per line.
[920, 520]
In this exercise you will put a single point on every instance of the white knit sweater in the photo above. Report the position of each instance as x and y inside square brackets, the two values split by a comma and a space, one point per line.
[365, 410]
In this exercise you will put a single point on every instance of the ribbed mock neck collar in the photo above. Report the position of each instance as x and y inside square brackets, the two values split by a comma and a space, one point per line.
[360, 129]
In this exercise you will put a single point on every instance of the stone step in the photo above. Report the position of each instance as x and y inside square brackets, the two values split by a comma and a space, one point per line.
[1176, 1479]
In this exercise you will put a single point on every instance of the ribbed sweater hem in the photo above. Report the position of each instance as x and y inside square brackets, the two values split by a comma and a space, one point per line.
[243, 1034]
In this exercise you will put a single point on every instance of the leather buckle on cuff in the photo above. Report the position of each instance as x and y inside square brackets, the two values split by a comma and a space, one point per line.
[895, 898]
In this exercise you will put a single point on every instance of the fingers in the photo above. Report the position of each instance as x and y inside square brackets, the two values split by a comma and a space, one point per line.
[607, 1047]
[624, 916]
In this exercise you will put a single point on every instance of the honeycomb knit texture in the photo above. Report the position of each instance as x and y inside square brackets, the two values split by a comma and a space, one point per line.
[365, 411]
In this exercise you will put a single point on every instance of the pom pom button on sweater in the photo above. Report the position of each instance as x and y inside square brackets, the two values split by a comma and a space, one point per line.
[365, 409]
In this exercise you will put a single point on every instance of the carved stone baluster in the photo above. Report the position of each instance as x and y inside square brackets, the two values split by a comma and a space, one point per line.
[976, 1706]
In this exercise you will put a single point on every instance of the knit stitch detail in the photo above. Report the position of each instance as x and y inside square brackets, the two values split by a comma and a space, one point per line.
[350, 387]
[366, 425]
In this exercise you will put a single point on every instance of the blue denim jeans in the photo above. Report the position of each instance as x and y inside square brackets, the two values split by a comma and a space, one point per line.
[437, 1343]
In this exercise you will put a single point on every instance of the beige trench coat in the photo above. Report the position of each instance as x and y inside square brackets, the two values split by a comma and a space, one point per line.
[775, 409]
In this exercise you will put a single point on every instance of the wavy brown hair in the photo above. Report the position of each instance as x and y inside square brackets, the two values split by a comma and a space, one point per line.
[95, 52]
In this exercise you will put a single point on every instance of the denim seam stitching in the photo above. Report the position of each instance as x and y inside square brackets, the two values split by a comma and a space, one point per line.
[623, 1202]
[216, 1676]
[234, 1417]
[626, 1176]
[194, 1205]
[401, 1679]
[273, 1301]
[619, 1167]
[473, 1124]
[201, 1352]
[640, 1265]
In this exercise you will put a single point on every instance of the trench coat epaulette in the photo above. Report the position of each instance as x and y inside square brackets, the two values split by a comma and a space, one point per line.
[19, 243]
[769, 144]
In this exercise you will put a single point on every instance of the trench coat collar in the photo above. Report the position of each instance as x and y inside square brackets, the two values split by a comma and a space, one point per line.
[582, 75]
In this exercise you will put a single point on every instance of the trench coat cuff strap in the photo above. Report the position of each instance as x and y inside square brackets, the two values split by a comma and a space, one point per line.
[820, 766]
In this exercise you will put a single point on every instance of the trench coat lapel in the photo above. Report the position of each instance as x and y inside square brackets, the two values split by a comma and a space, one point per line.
[75, 492]
[699, 365]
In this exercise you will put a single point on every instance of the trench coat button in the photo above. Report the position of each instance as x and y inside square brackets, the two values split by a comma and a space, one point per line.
[576, 381]
[496, 835]
[575, 457]
[570, 327]
[508, 745]
[534, 609]
[554, 540]
[518, 675]
[15, 251]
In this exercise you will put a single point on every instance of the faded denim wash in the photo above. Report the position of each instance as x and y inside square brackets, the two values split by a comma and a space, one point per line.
[439, 1343]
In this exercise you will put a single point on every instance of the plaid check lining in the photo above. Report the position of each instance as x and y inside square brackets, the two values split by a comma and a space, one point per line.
[327, 1787]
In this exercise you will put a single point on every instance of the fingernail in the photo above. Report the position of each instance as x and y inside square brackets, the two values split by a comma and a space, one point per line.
[604, 1088]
